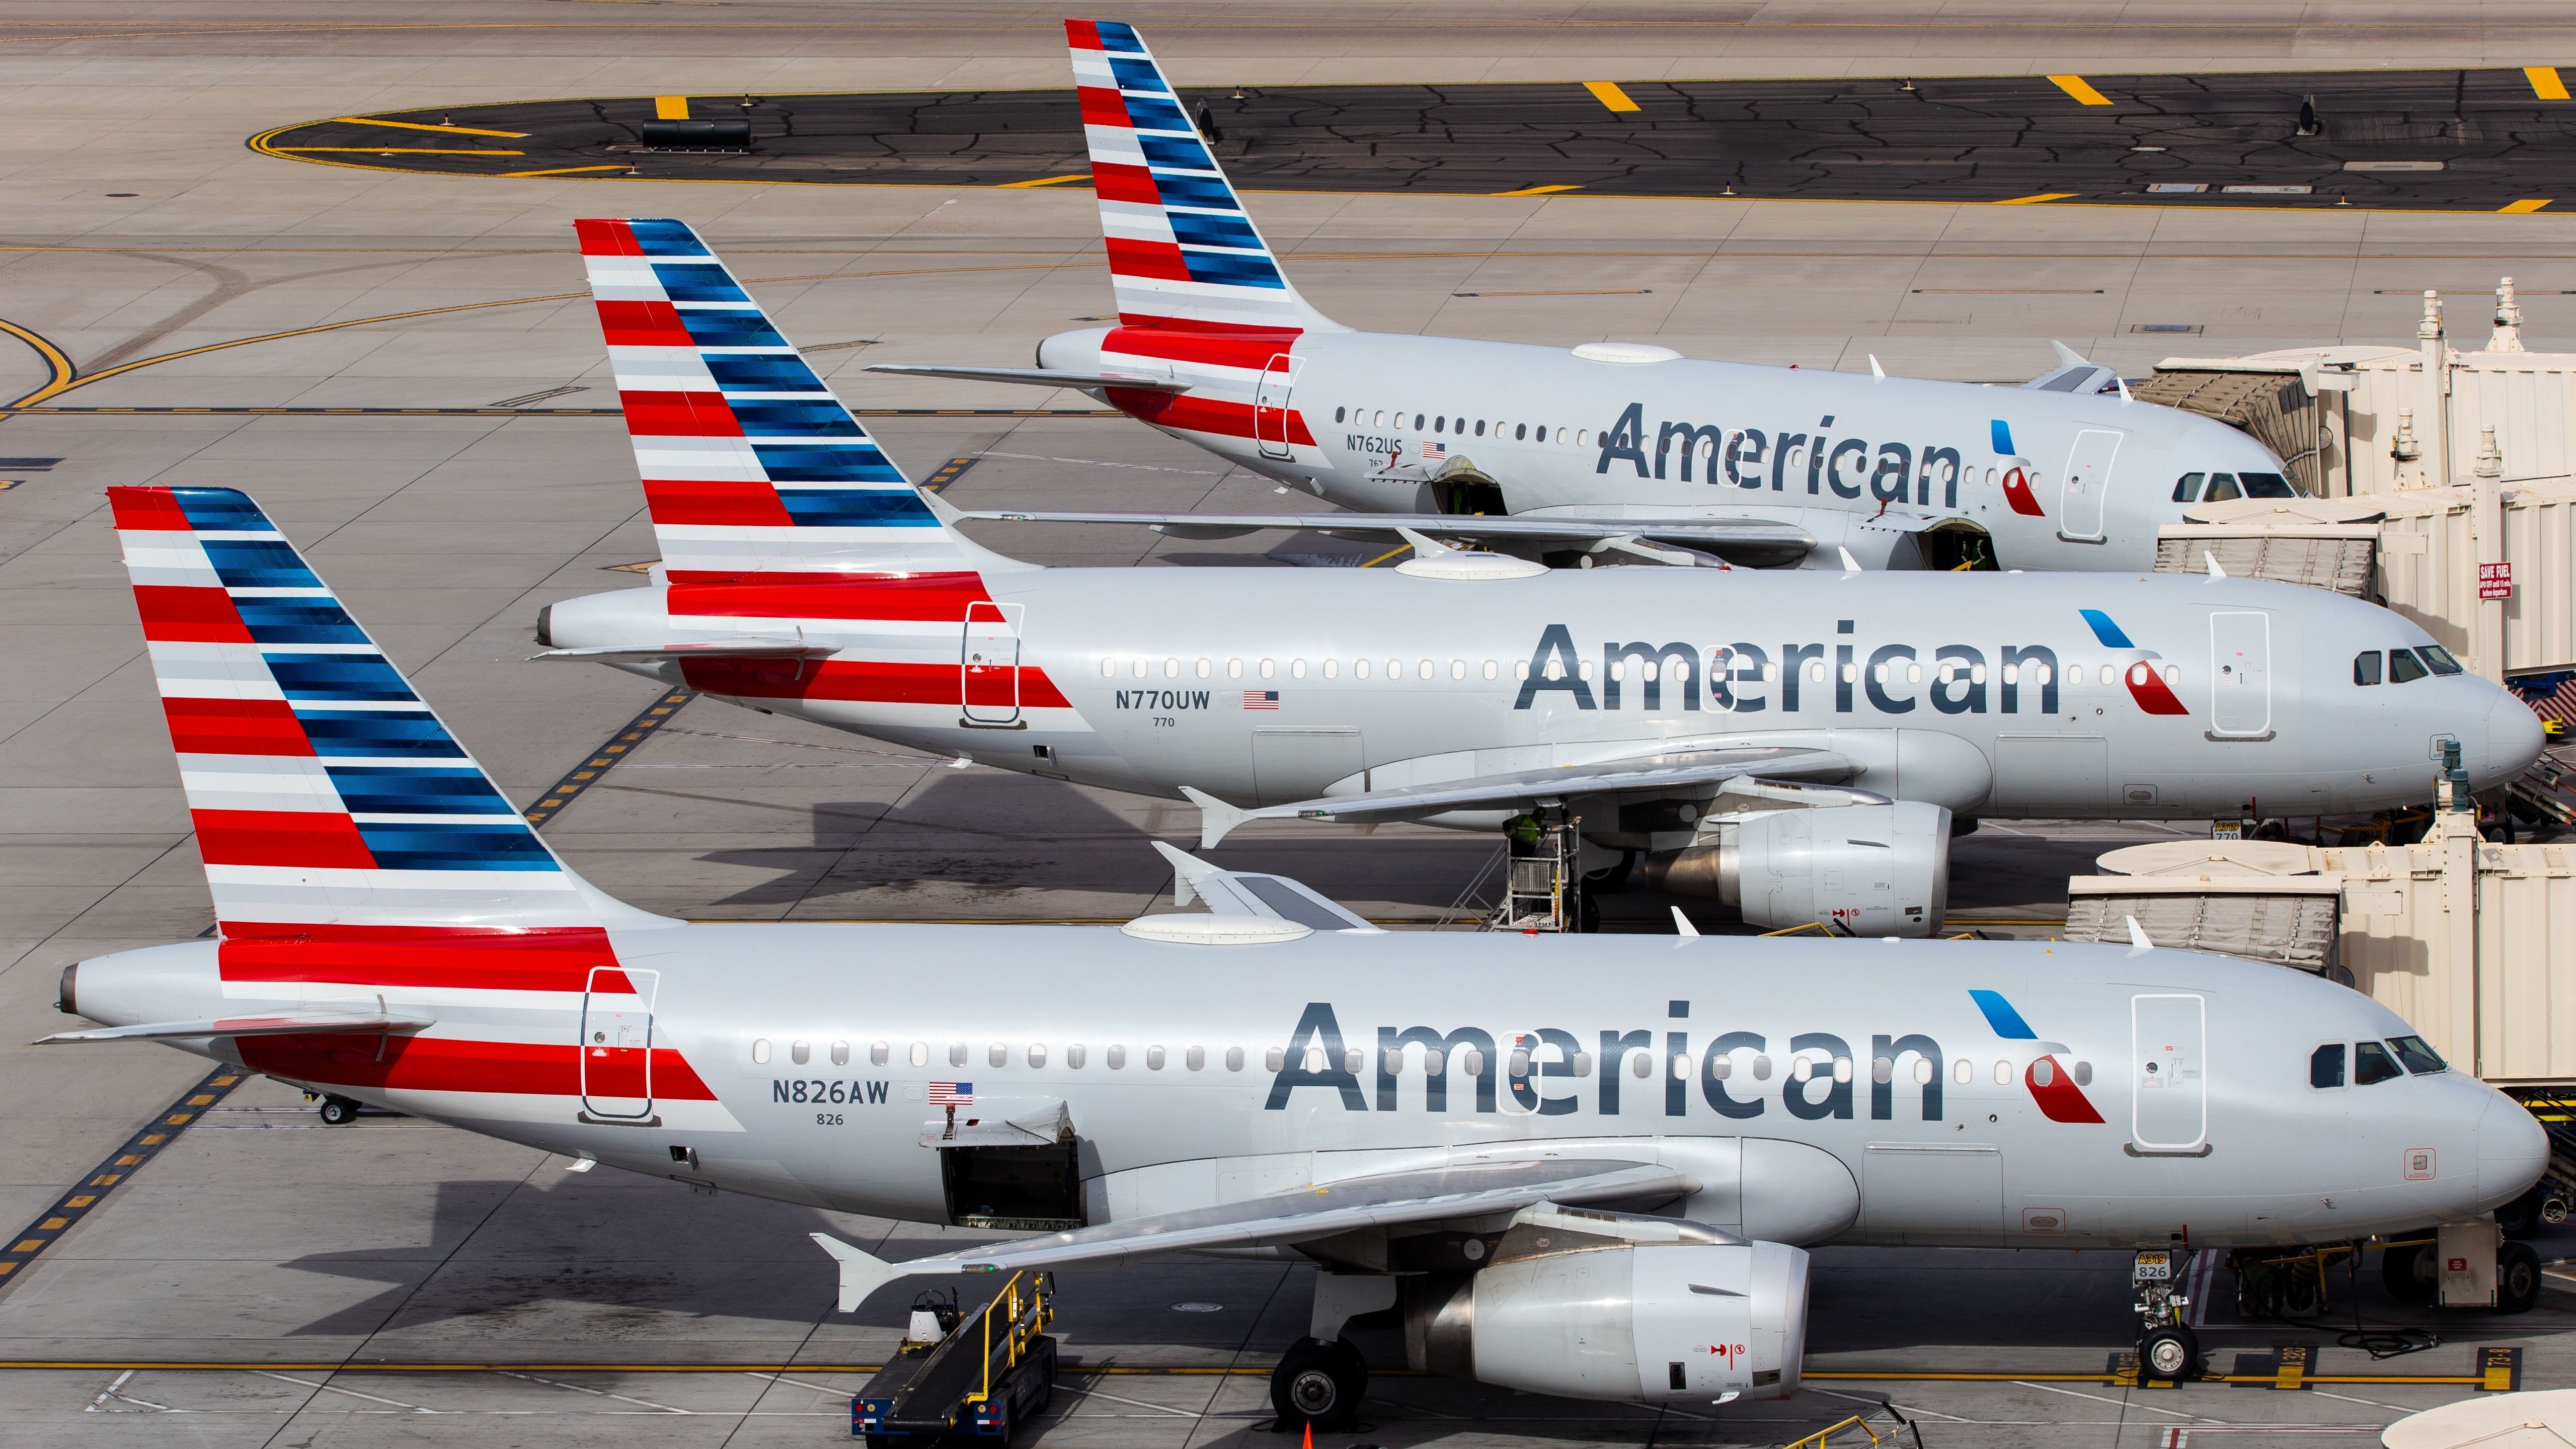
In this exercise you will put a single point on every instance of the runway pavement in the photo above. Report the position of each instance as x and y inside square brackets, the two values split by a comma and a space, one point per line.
[247, 321]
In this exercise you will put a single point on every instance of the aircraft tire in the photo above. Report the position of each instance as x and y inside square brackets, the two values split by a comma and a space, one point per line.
[339, 1111]
[2169, 1354]
[2521, 1217]
[2400, 1269]
[1319, 1384]
[2517, 1279]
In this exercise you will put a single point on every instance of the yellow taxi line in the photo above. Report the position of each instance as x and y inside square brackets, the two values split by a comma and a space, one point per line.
[670, 108]
[2081, 89]
[1044, 181]
[1609, 94]
[1536, 190]
[2545, 82]
[406, 150]
[2035, 200]
[2527, 204]
[422, 126]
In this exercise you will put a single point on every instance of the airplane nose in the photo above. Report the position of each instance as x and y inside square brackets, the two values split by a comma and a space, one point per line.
[2512, 1152]
[2514, 739]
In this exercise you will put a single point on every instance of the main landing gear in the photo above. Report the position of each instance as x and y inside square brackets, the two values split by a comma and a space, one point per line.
[339, 1111]
[2167, 1348]
[1319, 1384]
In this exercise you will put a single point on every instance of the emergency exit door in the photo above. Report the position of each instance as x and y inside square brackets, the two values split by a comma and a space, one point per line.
[2169, 1072]
[990, 661]
[1270, 405]
[2088, 483]
[617, 1043]
[2240, 673]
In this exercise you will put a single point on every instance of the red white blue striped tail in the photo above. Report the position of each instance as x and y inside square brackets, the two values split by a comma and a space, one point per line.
[329, 800]
[1181, 248]
[750, 465]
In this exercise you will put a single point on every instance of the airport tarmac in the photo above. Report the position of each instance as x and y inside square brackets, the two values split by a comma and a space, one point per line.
[537, 1303]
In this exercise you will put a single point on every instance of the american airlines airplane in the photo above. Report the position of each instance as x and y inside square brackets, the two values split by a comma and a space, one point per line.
[1610, 451]
[1793, 744]
[1597, 1193]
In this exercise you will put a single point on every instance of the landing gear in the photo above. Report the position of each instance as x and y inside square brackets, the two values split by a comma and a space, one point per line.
[1319, 1384]
[2167, 1350]
[2407, 1270]
[339, 1111]
[2517, 1279]
[2171, 1354]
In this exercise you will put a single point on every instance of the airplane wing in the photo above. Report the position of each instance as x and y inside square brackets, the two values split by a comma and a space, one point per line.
[2074, 373]
[1679, 531]
[1301, 1215]
[696, 649]
[1239, 893]
[1037, 376]
[284, 1023]
[1525, 788]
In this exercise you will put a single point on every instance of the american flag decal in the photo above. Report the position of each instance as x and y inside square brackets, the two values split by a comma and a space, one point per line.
[952, 1094]
[1261, 699]
[1432, 452]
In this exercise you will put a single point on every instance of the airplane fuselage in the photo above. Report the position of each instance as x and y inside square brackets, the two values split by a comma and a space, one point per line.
[2055, 480]
[2063, 1095]
[1989, 694]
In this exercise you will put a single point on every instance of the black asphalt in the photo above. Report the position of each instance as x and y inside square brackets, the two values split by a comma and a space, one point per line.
[2475, 140]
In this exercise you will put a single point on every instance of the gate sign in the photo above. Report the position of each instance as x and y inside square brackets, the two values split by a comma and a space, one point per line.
[2495, 581]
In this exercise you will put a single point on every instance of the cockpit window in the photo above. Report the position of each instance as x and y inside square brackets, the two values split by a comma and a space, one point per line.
[2404, 667]
[2365, 667]
[2267, 485]
[2222, 487]
[2371, 1064]
[2418, 1055]
[2325, 1065]
[2440, 658]
[2189, 488]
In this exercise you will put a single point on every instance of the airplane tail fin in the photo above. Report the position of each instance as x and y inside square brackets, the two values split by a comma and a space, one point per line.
[330, 802]
[751, 466]
[1182, 250]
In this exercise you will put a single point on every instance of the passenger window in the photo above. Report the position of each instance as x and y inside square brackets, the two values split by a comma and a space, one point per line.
[2325, 1065]
[999, 1054]
[1117, 1058]
[1075, 1056]
[1480, 427]
[2404, 667]
[1234, 1059]
[1359, 669]
[840, 1054]
[1195, 1058]
[2365, 670]
[2222, 487]
[1153, 1059]
[1963, 1071]
[957, 1054]
[2371, 1064]
[1417, 422]
[1332, 667]
[1337, 415]
[2184, 492]
[879, 1053]
[1440, 424]
[2267, 485]
[2418, 1055]
[1273, 1059]
[2440, 658]
[1037, 1054]
[2003, 1074]
[760, 1051]
[921, 1054]
[1520, 432]
[800, 1052]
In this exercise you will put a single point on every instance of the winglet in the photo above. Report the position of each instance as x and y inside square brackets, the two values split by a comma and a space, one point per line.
[1423, 547]
[1875, 370]
[1217, 819]
[1682, 924]
[1187, 871]
[862, 1272]
[2138, 936]
[2068, 356]
[2211, 559]
[1851, 565]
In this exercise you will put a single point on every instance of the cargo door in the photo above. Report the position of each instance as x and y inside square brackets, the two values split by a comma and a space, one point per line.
[2044, 773]
[2170, 1082]
[2240, 672]
[1296, 763]
[1270, 405]
[617, 1043]
[1933, 1190]
[991, 663]
[2088, 483]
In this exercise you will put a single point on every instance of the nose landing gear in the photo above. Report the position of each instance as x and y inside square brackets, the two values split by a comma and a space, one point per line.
[339, 1111]
[2167, 1348]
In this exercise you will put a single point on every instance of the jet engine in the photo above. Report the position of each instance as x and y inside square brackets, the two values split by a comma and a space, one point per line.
[1596, 1305]
[1876, 870]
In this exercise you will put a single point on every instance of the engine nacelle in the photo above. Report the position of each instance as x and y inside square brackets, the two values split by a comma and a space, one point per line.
[1876, 870]
[1590, 1305]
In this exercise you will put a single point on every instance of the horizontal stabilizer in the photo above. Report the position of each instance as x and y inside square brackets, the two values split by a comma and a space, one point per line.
[1676, 530]
[696, 649]
[1238, 893]
[1297, 1216]
[285, 1023]
[1036, 376]
[1522, 789]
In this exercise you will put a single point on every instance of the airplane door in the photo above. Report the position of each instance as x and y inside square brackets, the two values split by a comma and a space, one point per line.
[2088, 483]
[2240, 672]
[990, 660]
[617, 1043]
[1270, 405]
[2170, 1086]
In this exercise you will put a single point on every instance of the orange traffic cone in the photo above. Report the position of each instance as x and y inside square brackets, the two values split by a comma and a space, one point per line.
[1310, 1437]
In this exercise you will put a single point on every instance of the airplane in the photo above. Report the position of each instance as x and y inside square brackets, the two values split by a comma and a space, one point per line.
[1790, 743]
[1615, 452]
[1597, 1175]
